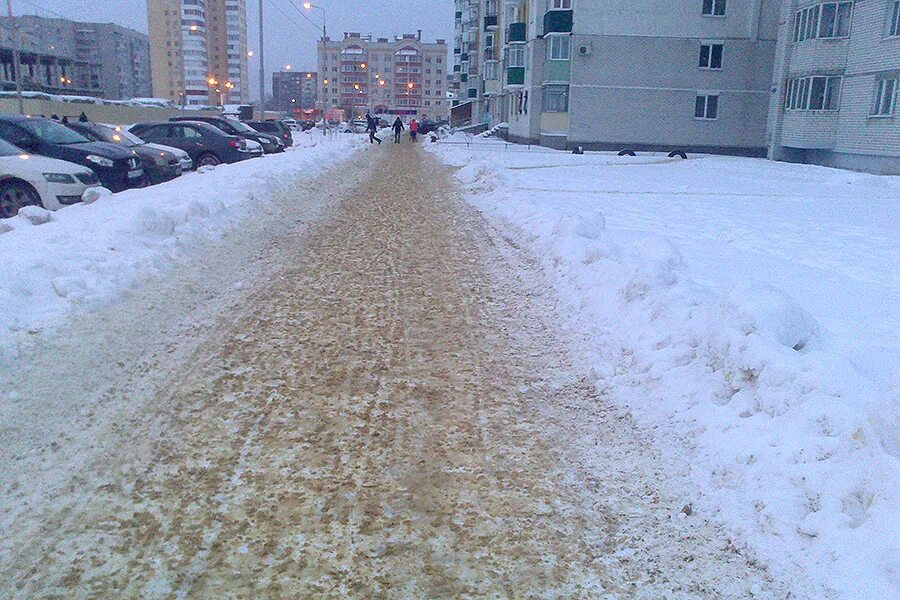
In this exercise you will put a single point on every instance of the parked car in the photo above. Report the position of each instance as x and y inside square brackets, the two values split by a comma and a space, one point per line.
[184, 159]
[159, 165]
[270, 143]
[207, 145]
[276, 128]
[117, 168]
[291, 124]
[32, 180]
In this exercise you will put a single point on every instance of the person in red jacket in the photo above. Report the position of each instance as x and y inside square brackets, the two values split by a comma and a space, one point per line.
[413, 129]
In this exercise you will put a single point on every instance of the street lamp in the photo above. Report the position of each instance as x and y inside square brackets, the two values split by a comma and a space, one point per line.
[310, 6]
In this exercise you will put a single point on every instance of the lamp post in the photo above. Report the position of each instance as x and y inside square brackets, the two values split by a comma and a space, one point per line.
[310, 6]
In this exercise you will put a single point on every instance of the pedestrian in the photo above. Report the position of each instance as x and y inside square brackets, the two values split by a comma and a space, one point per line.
[413, 129]
[372, 128]
[398, 129]
[83, 117]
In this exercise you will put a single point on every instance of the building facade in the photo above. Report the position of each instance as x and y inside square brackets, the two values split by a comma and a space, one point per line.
[198, 51]
[836, 84]
[68, 57]
[398, 76]
[294, 90]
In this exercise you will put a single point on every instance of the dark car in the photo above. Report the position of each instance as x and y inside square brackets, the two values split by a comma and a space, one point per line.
[117, 168]
[159, 165]
[270, 143]
[206, 145]
[276, 128]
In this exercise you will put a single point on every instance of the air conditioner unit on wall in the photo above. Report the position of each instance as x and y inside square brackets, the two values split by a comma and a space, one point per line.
[585, 49]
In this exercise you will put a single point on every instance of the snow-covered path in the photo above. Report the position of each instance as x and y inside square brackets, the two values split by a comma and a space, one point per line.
[364, 396]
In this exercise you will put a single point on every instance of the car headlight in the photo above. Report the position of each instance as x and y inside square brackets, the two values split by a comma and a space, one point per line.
[59, 178]
[160, 160]
[99, 160]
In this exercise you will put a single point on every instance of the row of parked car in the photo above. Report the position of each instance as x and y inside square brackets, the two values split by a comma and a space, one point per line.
[45, 162]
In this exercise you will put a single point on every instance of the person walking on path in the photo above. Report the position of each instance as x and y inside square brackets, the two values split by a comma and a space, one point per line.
[372, 128]
[398, 129]
[413, 129]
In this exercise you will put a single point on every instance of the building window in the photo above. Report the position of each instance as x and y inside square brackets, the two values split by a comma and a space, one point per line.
[894, 28]
[706, 106]
[885, 97]
[714, 8]
[491, 70]
[711, 56]
[828, 20]
[556, 98]
[559, 48]
[515, 56]
[560, 5]
[813, 93]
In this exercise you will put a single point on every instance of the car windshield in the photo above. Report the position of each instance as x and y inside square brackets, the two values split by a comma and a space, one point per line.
[120, 136]
[240, 126]
[52, 132]
[7, 149]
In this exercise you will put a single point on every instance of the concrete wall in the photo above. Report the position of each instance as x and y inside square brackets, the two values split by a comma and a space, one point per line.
[101, 113]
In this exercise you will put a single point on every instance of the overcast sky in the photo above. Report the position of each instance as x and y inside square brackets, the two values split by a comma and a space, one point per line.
[290, 39]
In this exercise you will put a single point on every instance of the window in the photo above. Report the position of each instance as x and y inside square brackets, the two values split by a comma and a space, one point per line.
[713, 8]
[559, 48]
[885, 97]
[813, 93]
[556, 98]
[491, 70]
[515, 56]
[711, 56]
[560, 5]
[894, 27]
[706, 106]
[828, 20]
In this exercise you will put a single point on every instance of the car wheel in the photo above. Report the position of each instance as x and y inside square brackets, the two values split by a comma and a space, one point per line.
[14, 195]
[208, 160]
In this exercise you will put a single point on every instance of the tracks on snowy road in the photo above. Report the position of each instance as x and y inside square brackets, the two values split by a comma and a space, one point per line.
[383, 409]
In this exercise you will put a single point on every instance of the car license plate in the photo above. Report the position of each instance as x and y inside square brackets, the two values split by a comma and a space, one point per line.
[135, 173]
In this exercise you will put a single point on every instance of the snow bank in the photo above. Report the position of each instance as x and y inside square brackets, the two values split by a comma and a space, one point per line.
[85, 255]
[703, 307]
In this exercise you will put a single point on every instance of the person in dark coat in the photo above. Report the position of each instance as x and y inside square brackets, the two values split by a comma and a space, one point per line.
[372, 128]
[398, 129]
[83, 117]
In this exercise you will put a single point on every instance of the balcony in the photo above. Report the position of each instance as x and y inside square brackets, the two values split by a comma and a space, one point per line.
[464, 57]
[558, 21]
[473, 92]
[516, 33]
[515, 76]
[490, 22]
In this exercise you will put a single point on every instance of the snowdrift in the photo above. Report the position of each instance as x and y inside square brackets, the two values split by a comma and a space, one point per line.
[80, 257]
[783, 439]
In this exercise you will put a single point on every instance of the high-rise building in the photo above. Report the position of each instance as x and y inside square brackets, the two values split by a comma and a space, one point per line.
[68, 57]
[836, 82]
[396, 76]
[294, 90]
[198, 51]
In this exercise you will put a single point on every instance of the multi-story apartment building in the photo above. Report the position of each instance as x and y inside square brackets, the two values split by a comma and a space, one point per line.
[687, 74]
[68, 57]
[198, 51]
[836, 84]
[294, 90]
[398, 76]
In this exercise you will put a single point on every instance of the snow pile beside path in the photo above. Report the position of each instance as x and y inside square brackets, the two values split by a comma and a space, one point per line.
[787, 441]
[85, 255]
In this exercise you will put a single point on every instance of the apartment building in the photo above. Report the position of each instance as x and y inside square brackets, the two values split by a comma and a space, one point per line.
[836, 83]
[198, 51]
[295, 90]
[385, 76]
[59, 56]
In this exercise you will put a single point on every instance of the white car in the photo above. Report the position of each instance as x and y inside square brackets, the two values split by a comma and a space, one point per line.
[29, 179]
[292, 124]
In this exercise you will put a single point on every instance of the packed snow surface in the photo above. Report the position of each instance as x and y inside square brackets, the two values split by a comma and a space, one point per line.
[85, 255]
[748, 312]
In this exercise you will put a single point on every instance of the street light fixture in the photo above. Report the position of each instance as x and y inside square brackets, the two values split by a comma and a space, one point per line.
[310, 6]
